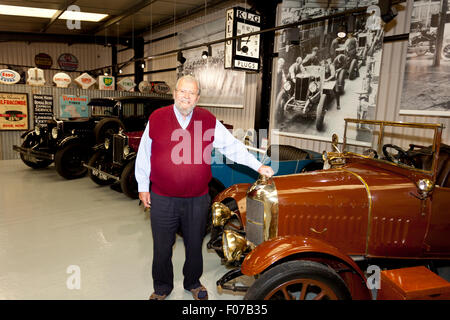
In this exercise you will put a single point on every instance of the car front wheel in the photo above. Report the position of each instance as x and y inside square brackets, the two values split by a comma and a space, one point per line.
[128, 181]
[299, 280]
[69, 160]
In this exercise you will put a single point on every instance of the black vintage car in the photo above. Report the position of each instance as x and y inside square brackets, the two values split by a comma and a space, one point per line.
[310, 98]
[69, 142]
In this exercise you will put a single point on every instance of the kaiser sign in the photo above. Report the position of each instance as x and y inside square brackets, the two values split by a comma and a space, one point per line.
[8, 76]
[62, 80]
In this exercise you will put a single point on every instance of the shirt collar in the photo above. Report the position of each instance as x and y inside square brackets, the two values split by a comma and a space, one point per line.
[179, 117]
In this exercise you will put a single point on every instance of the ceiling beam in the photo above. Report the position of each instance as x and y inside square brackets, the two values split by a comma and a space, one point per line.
[57, 15]
[128, 12]
[63, 38]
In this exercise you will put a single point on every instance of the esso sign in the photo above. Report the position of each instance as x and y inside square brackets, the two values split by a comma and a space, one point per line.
[161, 87]
[62, 80]
[8, 76]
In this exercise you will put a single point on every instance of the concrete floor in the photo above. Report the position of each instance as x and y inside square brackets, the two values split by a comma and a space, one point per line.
[54, 232]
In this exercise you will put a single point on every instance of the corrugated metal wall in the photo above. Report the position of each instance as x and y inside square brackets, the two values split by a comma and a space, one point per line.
[389, 91]
[9, 138]
[89, 56]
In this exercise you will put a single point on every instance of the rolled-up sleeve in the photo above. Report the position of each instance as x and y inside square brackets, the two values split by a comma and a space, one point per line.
[143, 165]
[232, 148]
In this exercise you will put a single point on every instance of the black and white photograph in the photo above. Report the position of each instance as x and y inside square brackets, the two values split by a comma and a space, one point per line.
[220, 87]
[326, 71]
[426, 89]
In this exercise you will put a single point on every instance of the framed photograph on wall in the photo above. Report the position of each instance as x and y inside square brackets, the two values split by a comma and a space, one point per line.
[426, 85]
[13, 111]
[223, 88]
[320, 78]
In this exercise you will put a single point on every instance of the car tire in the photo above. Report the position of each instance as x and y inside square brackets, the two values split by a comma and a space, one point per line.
[107, 127]
[340, 83]
[69, 160]
[98, 158]
[320, 112]
[128, 182]
[300, 280]
[39, 164]
[352, 69]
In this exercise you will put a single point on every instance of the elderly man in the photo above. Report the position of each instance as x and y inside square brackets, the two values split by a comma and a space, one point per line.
[175, 155]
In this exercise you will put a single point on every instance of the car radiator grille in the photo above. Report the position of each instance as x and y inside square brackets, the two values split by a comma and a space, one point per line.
[255, 221]
[118, 145]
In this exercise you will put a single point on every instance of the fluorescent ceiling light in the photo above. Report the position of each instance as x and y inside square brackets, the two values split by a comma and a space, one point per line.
[82, 16]
[49, 13]
[26, 11]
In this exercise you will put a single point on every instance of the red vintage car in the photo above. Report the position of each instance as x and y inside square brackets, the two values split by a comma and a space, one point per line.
[313, 235]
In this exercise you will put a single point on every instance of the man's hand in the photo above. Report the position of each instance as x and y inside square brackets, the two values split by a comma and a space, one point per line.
[266, 171]
[145, 198]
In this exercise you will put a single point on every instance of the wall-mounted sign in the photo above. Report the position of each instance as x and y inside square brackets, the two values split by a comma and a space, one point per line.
[85, 81]
[13, 111]
[242, 53]
[106, 83]
[43, 61]
[68, 62]
[35, 77]
[62, 80]
[74, 107]
[126, 84]
[161, 87]
[8, 76]
[43, 108]
[145, 86]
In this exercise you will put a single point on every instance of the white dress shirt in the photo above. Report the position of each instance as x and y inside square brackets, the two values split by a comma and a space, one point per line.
[224, 141]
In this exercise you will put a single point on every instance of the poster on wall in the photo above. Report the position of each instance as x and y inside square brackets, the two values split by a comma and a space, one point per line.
[13, 111]
[74, 106]
[219, 87]
[43, 108]
[426, 85]
[322, 78]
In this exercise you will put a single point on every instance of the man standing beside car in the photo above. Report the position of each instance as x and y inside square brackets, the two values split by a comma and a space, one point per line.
[180, 173]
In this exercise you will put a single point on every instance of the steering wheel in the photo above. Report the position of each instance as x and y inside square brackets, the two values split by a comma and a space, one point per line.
[400, 157]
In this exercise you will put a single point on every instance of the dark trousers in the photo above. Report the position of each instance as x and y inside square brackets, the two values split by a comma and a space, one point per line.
[168, 214]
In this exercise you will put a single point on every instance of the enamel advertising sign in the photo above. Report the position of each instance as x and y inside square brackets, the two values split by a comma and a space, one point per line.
[8, 76]
[62, 80]
[13, 111]
[106, 83]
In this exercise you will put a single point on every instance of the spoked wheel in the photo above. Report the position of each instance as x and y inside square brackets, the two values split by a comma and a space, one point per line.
[128, 181]
[299, 280]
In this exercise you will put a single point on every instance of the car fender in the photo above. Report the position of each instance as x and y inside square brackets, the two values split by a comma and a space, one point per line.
[67, 140]
[274, 250]
[26, 133]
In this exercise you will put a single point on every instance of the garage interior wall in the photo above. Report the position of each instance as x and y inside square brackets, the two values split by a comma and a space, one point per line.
[389, 90]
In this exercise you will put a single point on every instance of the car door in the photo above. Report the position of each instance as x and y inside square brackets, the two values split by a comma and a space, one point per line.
[437, 240]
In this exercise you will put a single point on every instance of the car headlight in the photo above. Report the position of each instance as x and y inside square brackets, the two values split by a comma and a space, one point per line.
[234, 245]
[313, 87]
[55, 133]
[220, 214]
[37, 130]
[106, 143]
[126, 151]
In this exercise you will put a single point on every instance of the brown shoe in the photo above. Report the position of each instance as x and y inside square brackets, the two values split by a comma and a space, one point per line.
[200, 293]
[155, 296]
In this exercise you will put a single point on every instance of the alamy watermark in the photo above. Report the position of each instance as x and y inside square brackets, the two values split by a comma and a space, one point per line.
[73, 24]
[73, 282]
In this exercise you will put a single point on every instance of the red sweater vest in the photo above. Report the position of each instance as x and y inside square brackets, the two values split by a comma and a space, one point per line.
[181, 158]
